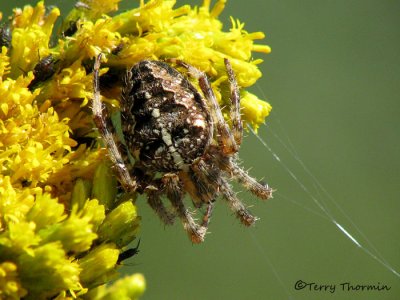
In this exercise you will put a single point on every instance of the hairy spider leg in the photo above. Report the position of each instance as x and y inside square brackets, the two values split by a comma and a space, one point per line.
[204, 192]
[231, 167]
[207, 214]
[263, 191]
[175, 194]
[126, 104]
[237, 126]
[108, 134]
[226, 191]
[236, 205]
[155, 202]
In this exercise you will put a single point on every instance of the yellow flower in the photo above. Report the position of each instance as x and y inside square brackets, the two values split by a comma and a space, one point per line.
[10, 285]
[62, 223]
[32, 28]
[4, 63]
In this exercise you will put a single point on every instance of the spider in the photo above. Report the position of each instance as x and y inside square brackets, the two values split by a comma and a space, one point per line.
[176, 142]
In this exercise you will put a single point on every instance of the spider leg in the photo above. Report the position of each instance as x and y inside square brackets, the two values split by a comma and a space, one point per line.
[154, 200]
[230, 166]
[127, 102]
[199, 190]
[226, 191]
[225, 138]
[174, 192]
[207, 215]
[263, 191]
[107, 131]
[237, 127]
[236, 205]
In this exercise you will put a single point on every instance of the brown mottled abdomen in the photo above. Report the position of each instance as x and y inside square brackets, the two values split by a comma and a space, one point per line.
[172, 125]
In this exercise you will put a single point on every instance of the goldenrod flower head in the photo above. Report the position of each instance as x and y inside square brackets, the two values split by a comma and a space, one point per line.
[62, 224]
[32, 29]
[4, 63]
[10, 283]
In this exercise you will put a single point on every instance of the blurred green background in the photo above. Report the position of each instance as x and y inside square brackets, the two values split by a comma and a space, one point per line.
[333, 79]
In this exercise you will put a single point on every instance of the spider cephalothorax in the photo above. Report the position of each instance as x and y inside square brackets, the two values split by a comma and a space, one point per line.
[179, 142]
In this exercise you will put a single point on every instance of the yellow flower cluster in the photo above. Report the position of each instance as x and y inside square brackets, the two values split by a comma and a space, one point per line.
[62, 224]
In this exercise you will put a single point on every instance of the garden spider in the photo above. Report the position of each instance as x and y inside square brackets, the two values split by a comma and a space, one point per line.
[179, 141]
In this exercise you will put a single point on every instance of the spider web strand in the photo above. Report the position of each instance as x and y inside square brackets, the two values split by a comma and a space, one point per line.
[325, 209]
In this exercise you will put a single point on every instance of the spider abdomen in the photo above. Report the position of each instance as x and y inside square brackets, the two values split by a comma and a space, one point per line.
[172, 125]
